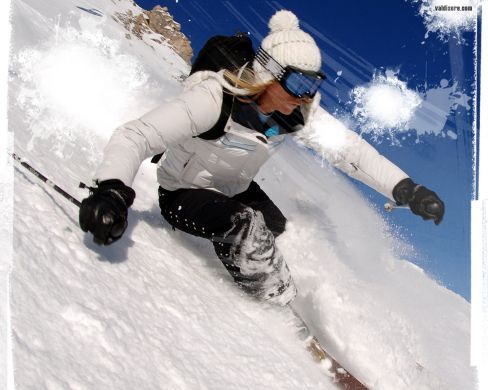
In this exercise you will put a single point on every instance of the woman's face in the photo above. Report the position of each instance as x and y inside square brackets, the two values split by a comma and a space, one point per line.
[275, 98]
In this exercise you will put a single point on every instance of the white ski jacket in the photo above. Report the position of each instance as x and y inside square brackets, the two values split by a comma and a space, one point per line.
[229, 163]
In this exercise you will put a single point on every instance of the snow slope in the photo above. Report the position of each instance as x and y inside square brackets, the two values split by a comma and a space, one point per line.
[157, 310]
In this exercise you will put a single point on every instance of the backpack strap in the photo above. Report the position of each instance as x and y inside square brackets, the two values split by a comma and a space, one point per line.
[156, 158]
[218, 130]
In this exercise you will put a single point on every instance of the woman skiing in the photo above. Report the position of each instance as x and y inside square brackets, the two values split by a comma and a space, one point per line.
[215, 136]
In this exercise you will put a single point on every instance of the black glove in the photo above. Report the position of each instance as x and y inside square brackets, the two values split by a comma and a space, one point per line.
[104, 212]
[421, 200]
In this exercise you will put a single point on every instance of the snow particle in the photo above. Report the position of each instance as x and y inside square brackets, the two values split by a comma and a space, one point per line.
[385, 104]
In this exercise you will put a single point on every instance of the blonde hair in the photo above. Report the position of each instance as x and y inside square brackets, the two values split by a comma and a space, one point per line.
[245, 79]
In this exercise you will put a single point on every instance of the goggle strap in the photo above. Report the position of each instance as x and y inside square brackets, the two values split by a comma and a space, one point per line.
[270, 64]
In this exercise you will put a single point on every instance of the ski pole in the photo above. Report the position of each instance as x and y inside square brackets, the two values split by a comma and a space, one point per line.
[389, 207]
[49, 182]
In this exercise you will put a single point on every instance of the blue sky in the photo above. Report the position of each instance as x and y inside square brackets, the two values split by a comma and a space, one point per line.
[360, 39]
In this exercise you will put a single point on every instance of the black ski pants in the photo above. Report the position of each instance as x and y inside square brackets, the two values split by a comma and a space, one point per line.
[242, 229]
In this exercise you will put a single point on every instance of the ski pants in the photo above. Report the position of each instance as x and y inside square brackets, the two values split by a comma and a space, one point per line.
[242, 229]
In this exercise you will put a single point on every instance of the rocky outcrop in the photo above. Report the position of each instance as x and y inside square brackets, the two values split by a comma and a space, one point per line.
[161, 27]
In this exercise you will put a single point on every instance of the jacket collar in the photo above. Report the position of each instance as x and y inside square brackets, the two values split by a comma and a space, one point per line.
[247, 114]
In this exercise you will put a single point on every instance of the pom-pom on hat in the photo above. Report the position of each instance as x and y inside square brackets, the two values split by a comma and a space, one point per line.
[288, 45]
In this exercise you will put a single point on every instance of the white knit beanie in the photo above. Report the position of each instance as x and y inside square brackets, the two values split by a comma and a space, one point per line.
[289, 45]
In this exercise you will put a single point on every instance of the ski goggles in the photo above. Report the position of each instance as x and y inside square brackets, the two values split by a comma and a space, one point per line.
[298, 83]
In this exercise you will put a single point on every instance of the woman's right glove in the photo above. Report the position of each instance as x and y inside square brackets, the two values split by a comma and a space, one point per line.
[421, 200]
[104, 212]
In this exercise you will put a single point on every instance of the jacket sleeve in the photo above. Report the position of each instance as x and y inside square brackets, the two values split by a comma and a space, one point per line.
[347, 151]
[193, 112]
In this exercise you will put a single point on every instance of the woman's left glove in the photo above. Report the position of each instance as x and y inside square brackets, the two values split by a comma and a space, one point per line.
[421, 200]
[104, 212]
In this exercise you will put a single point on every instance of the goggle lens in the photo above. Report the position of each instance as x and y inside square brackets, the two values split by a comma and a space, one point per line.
[300, 84]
